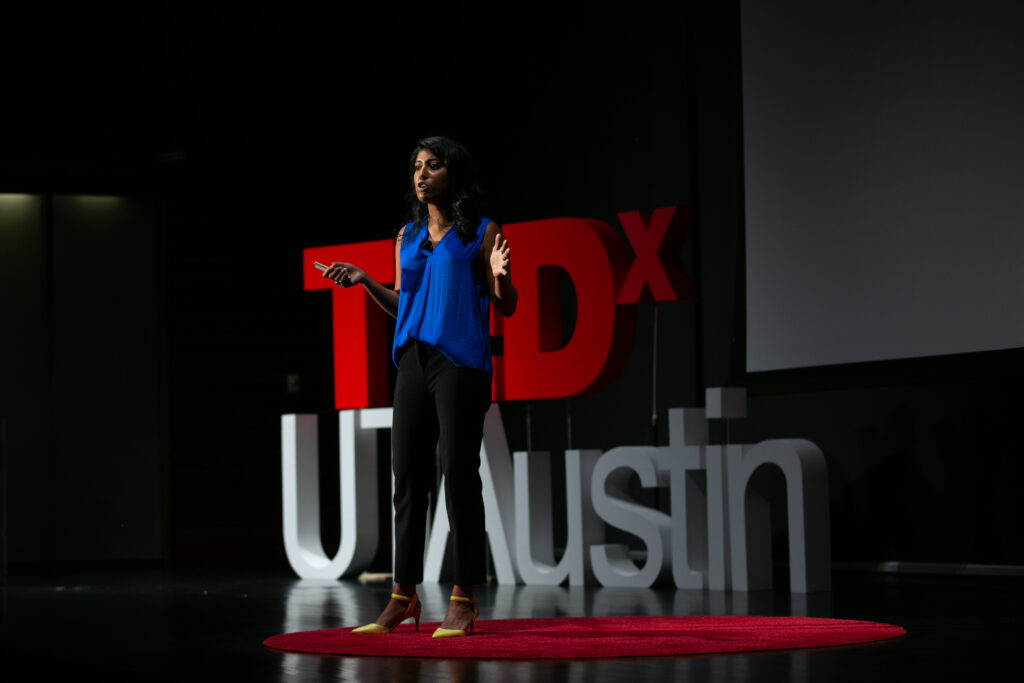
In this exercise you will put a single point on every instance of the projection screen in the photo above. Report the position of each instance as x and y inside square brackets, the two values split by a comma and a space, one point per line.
[884, 179]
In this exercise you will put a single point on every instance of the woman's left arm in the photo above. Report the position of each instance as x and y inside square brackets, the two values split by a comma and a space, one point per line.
[497, 254]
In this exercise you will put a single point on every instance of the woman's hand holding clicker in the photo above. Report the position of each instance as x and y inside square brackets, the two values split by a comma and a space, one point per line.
[345, 274]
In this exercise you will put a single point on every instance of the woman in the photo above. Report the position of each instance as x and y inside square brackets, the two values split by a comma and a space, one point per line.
[451, 265]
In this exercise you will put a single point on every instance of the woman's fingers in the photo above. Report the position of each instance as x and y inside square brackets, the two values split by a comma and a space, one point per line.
[501, 247]
[500, 255]
[339, 273]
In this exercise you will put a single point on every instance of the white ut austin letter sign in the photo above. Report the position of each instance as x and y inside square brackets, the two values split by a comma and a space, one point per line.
[718, 536]
[300, 493]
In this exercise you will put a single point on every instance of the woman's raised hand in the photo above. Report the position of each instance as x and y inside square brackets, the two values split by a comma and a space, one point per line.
[345, 274]
[500, 256]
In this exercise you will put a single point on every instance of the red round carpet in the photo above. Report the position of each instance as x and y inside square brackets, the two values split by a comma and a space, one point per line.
[594, 637]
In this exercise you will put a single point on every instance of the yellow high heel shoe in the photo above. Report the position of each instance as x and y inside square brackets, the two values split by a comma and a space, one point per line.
[414, 609]
[456, 632]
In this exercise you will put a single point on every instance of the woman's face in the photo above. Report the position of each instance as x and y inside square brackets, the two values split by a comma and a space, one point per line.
[429, 177]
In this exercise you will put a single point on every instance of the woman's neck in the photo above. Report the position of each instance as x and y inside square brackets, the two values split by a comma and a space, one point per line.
[436, 216]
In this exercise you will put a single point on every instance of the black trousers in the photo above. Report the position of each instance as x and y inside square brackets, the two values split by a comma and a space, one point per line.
[438, 409]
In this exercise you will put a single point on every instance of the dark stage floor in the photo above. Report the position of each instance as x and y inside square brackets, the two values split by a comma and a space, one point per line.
[154, 624]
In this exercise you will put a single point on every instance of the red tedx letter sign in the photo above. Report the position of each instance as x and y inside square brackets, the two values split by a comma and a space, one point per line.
[360, 329]
[593, 255]
[656, 238]
[535, 364]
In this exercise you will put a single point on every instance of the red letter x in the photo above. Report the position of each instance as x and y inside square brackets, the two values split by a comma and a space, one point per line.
[656, 238]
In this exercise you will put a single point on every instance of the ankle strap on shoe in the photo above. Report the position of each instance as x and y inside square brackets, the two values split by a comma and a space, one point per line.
[460, 598]
[396, 596]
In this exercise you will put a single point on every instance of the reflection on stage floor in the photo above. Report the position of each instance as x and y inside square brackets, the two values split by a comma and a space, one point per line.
[132, 623]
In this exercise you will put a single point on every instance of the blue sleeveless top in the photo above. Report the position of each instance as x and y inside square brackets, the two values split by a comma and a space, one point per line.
[443, 300]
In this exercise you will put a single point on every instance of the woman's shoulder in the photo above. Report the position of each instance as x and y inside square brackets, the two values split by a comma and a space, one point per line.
[484, 224]
[488, 228]
[407, 229]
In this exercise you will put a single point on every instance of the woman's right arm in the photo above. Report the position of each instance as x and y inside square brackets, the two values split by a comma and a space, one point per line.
[347, 274]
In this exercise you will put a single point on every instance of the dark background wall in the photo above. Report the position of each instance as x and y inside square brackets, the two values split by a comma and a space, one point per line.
[251, 134]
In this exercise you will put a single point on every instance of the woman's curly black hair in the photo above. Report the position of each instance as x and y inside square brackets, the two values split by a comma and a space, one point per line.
[465, 196]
